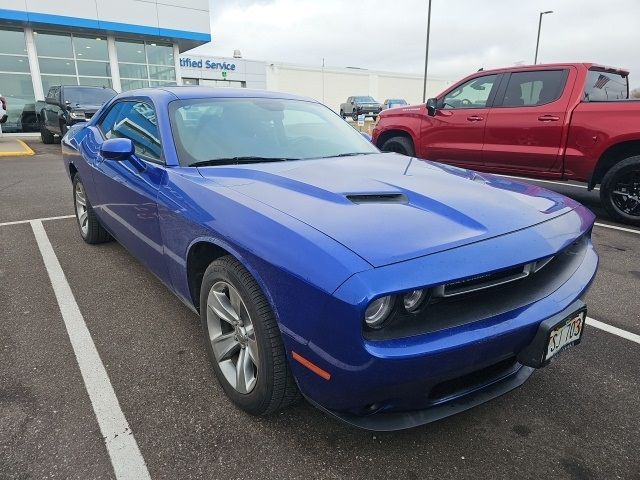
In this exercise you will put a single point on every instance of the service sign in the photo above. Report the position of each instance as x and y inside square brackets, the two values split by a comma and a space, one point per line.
[207, 63]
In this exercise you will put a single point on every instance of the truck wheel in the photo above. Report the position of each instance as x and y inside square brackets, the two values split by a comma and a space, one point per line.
[344, 117]
[354, 116]
[399, 144]
[46, 136]
[620, 191]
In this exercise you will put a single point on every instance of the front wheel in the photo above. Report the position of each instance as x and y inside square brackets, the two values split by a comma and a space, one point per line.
[620, 191]
[46, 136]
[354, 116]
[399, 144]
[243, 340]
[91, 230]
[344, 117]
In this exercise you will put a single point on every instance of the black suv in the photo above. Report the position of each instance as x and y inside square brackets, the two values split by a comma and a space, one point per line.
[65, 105]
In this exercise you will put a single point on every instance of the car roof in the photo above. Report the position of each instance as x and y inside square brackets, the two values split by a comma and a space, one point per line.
[586, 65]
[196, 92]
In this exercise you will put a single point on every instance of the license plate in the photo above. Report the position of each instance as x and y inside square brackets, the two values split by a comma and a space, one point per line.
[565, 334]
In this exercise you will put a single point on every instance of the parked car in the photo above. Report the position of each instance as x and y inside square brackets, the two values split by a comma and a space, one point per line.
[388, 291]
[561, 121]
[66, 105]
[3, 111]
[362, 105]
[394, 102]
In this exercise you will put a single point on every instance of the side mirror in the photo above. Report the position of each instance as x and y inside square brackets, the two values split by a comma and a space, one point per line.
[432, 106]
[366, 136]
[117, 149]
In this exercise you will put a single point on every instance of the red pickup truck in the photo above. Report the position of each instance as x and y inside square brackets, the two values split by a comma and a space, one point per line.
[558, 121]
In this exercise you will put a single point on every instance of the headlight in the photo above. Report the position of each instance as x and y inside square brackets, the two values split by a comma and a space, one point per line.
[412, 301]
[77, 115]
[378, 311]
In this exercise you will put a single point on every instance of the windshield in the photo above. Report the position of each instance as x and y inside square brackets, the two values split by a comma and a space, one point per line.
[364, 99]
[88, 95]
[221, 130]
[398, 101]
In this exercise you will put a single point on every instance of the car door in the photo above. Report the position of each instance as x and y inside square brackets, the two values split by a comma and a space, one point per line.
[456, 133]
[51, 110]
[127, 191]
[525, 126]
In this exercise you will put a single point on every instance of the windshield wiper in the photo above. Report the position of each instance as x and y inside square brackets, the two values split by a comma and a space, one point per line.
[349, 154]
[240, 160]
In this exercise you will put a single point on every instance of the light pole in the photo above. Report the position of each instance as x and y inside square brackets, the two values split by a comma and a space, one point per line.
[426, 55]
[535, 60]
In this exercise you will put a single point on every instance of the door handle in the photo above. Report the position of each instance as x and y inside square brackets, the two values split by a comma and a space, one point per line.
[475, 118]
[548, 118]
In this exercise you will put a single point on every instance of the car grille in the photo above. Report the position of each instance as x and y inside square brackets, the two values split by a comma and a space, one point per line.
[479, 297]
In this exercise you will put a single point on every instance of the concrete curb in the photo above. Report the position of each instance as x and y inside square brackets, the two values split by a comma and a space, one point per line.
[9, 152]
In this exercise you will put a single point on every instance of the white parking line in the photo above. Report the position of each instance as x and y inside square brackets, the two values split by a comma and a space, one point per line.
[605, 327]
[123, 450]
[615, 227]
[44, 219]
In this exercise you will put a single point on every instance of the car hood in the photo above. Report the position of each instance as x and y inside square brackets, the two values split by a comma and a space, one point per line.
[388, 208]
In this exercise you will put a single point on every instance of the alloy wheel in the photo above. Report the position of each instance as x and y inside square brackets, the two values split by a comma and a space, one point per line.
[625, 194]
[81, 209]
[232, 337]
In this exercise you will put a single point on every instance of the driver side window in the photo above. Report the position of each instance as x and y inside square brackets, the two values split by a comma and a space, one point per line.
[473, 94]
[136, 121]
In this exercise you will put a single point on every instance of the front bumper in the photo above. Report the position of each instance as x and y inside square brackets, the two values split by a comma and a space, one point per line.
[403, 382]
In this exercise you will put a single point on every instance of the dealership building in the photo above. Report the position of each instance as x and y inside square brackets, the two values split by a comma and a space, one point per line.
[123, 44]
[127, 44]
[330, 85]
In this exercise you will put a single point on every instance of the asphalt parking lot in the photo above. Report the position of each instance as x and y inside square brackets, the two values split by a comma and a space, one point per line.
[576, 419]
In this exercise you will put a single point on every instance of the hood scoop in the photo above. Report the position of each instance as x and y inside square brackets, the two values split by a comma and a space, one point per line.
[363, 198]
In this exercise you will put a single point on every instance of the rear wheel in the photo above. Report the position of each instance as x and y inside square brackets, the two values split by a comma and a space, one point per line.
[620, 191]
[243, 340]
[46, 136]
[90, 229]
[399, 144]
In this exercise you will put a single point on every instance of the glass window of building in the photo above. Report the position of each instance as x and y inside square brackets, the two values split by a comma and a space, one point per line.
[69, 59]
[144, 64]
[15, 82]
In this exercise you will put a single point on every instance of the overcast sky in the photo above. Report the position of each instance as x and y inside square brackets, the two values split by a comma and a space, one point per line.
[390, 35]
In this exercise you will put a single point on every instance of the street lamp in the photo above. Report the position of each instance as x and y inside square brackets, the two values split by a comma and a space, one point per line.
[535, 60]
[426, 55]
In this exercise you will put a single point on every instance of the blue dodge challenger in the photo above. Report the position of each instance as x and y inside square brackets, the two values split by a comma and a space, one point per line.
[387, 290]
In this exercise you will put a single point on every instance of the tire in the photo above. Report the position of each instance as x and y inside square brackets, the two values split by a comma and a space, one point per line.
[92, 231]
[46, 136]
[267, 385]
[344, 117]
[399, 144]
[354, 116]
[623, 176]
